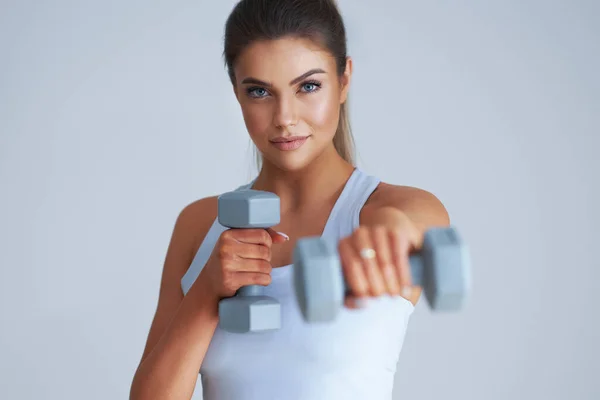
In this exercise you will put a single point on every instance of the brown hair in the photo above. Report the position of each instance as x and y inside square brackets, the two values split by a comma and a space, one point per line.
[317, 20]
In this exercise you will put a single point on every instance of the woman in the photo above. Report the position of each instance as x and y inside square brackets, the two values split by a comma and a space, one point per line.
[290, 73]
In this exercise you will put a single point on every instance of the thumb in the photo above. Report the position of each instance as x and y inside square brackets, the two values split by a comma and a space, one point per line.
[278, 237]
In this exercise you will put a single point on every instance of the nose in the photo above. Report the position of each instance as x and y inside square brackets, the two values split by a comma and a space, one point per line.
[285, 112]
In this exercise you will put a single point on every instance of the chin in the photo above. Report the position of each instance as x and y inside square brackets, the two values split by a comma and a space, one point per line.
[289, 161]
[289, 164]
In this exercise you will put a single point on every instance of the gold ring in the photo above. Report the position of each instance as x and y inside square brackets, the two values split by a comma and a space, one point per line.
[367, 253]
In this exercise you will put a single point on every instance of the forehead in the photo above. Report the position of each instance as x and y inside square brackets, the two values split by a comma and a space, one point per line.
[282, 59]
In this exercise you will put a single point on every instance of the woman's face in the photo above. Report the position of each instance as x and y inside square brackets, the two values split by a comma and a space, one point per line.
[290, 88]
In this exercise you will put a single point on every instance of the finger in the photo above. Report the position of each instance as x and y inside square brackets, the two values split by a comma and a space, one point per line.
[382, 246]
[277, 237]
[350, 302]
[250, 235]
[251, 265]
[252, 251]
[400, 249]
[362, 243]
[252, 278]
[353, 302]
[353, 271]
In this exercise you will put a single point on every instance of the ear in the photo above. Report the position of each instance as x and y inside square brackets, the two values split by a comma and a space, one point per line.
[345, 81]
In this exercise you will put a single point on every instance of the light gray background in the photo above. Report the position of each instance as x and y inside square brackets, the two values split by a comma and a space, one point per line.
[116, 114]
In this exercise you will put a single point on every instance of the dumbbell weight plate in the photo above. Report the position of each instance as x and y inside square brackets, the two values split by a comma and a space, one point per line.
[318, 282]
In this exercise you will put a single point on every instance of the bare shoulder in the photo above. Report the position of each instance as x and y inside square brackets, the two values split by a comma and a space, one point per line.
[191, 226]
[203, 209]
[419, 204]
[194, 221]
[391, 194]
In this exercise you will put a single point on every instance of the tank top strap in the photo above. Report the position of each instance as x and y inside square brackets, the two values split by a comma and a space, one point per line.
[345, 217]
[205, 249]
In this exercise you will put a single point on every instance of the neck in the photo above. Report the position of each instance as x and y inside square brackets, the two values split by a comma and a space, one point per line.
[320, 181]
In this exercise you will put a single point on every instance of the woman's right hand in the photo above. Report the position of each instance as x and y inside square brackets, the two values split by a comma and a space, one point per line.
[241, 257]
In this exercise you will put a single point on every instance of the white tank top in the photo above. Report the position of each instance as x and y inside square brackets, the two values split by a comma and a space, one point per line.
[354, 357]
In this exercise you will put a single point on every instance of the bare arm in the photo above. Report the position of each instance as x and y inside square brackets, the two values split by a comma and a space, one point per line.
[182, 327]
[409, 209]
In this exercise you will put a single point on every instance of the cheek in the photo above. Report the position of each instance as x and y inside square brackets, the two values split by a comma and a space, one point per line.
[322, 112]
[257, 117]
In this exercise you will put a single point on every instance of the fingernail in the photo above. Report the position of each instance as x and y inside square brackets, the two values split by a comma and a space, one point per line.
[284, 235]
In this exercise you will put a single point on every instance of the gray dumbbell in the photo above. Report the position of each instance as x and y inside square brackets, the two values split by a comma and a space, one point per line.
[441, 267]
[249, 310]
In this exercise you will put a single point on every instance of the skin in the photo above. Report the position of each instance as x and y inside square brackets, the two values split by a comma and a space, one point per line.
[308, 182]
[279, 96]
[302, 108]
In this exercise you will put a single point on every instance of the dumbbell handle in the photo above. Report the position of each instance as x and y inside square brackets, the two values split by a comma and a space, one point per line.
[415, 262]
[250, 290]
[417, 268]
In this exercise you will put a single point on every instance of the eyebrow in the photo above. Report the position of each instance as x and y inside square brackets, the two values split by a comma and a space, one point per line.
[292, 82]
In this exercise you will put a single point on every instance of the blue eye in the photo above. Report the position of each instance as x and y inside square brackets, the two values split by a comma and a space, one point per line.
[311, 86]
[257, 92]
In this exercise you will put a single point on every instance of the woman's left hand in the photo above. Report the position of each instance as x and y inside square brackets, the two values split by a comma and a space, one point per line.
[375, 258]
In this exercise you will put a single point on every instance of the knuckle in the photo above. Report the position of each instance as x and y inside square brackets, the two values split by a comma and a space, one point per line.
[265, 237]
[266, 267]
[262, 279]
[361, 233]
[379, 230]
[265, 252]
[229, 282]
[226, 266]
[362, 230]
[225, 251]
[383, 256]
[227, 235]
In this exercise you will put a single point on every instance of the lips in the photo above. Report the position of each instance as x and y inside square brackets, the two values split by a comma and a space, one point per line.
[289, 143]
[287, 139]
